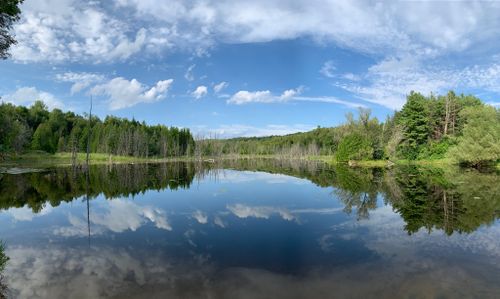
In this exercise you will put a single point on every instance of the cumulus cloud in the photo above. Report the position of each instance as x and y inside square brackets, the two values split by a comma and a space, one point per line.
[219, 87]
[80, 80]
[200, 92]
[26, 96]
[59, 30]
[359, 25]
[390, 32]
[265, 96]
[67, 30]
[244, 97]
[125, 93]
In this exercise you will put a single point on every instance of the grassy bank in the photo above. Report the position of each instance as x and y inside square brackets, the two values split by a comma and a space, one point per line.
[43, 159]
[384, 163]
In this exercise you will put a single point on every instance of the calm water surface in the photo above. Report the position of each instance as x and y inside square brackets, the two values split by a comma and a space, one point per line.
[254, 229]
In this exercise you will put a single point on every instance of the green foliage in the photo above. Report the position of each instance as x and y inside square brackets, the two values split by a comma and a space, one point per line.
[64, 131]
[414, 118]
[3, 258]
[354, 147]
[35, 190]
[14, 132]
[425, 128]
[9, 13]
[435, 149]
[480, 143]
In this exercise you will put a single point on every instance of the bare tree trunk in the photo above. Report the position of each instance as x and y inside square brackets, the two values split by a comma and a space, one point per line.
[446, 114]
[90, 133]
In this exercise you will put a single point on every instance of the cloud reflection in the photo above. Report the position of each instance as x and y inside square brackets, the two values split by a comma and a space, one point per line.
[244, 211]
[201, 217]
[118, 215]
[26, 214]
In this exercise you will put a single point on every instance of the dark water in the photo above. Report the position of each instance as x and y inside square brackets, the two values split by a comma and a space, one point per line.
[254, 229]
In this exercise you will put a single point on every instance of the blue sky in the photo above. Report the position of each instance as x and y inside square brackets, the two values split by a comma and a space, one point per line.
[244, 68]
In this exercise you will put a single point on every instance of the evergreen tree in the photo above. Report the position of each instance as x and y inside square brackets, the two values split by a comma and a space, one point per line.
[414, 118]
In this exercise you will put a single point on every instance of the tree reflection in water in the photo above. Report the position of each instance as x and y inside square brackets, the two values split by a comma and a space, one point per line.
[3, 263]
[450, 200]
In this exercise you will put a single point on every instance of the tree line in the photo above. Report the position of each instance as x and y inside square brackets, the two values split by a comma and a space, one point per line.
[459, 127]
[36, 128]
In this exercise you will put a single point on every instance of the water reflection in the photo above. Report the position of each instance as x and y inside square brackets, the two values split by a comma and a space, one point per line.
[426, 198]
[3, 263]
[247, 229]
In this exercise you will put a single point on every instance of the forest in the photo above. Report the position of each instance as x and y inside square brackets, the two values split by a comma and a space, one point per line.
[460, 128]
[36, 128]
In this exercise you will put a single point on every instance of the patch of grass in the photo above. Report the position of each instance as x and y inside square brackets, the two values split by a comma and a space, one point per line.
[42, 159]
[384, 163]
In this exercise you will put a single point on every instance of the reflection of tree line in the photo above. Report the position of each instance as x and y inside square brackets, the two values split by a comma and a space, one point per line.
[449, 200]
[3, 263]
[430, 198]
[426, 198]
[65, 184]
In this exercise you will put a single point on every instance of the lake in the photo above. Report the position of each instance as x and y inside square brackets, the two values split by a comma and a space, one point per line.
[250, 229]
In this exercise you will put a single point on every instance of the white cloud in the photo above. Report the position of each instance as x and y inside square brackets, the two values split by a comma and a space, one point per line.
[265, 96]
[388, 82]
[331, 100]
[200, 92]
[26, 96]
[354, 24]
[189, 73]
[351, 77]
[328, 69]
[59, 30]
[62, 30]
[80, 80]
[244, 97]
[123, 93]
[219, 87]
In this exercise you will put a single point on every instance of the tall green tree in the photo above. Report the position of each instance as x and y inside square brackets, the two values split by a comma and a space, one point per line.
[414, 118]
[480, 143]
[354, 147]
[9, 13]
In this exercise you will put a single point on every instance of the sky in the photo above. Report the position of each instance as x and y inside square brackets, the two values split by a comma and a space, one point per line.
[249, 68]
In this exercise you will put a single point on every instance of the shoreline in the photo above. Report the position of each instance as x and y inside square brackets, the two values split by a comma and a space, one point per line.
[42, 159]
